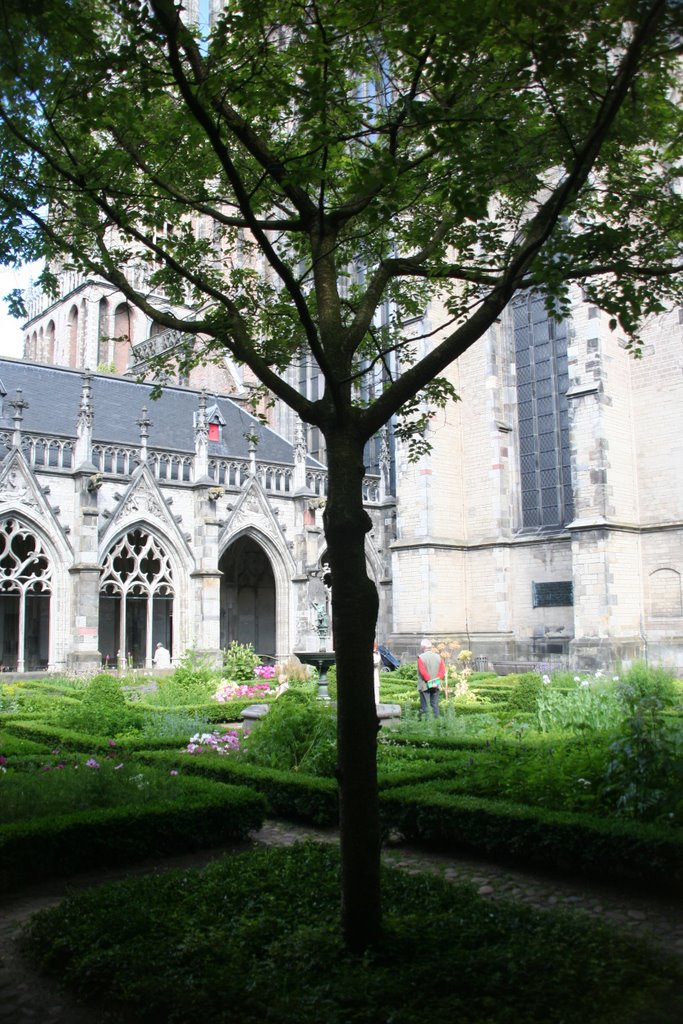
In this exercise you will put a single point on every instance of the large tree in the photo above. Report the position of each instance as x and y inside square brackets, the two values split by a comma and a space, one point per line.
[353, 160]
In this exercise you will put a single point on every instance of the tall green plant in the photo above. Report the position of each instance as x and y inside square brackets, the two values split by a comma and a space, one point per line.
[645, 769]
[593, 708]
[297, 734]
[239, 662]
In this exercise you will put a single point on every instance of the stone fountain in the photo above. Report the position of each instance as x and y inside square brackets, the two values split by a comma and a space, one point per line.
[322, 658]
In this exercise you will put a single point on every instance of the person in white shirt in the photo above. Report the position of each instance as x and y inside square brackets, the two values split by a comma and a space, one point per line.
[162, 657]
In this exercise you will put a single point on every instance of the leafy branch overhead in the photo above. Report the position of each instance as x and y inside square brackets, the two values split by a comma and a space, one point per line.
[311, 175]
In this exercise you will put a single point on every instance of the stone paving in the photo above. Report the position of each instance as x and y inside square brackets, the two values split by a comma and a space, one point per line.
[27, 996]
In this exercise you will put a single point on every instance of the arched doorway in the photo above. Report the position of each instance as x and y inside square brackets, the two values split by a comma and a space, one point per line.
[136, 600]
[25, 589]
[248, 597]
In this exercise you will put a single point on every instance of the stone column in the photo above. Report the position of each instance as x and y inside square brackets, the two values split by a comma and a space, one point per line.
[206, 578]
[84, 655]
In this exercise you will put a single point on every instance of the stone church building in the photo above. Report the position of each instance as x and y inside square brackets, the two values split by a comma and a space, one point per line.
[546, 524]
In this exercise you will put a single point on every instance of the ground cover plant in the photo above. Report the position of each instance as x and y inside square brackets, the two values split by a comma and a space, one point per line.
[252, 938]
[72, 785]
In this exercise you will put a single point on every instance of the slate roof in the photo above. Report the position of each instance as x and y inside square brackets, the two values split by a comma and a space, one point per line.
[53, 394]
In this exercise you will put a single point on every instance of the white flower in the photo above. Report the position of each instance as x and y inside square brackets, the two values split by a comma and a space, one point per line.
[598, 674]
[584, 682]
[577, 679]
[615, 679]
[546, 679]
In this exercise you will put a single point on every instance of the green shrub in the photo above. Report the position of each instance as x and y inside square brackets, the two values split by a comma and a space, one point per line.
[200, 815]
[298, 733]
[193, 669]
[643, 778]
[10, 744]
[438, 813]
[239, 662]
[103, 709]
[642, 680]
[295, 796]
[526, 691]
[182, 688]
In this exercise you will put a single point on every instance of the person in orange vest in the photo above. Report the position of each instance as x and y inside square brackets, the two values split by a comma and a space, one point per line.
[431, 669]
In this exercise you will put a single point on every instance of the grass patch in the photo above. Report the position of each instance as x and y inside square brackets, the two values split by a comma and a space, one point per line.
[254, 938]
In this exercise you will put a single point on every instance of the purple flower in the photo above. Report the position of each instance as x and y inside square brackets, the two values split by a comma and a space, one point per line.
[92, 763]
[173, 772]
[3, 760]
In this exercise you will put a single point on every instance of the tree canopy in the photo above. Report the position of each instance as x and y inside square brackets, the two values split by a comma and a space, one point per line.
[307, 175]
[303, 164]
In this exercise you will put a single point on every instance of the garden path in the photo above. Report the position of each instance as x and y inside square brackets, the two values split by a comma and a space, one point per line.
[27, 996]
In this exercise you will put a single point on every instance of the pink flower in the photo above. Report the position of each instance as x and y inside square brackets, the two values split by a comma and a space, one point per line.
[111, 743]
[265, 671]
[3, 760]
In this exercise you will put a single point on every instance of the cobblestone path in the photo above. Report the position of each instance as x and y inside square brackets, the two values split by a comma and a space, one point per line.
[27, 996]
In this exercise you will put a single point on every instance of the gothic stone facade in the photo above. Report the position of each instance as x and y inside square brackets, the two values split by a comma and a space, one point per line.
[547, 523]
[125, 522]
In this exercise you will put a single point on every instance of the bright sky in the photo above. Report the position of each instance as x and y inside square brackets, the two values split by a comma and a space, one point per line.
[11, 337]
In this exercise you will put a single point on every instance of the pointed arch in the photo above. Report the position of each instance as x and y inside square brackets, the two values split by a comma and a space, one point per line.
[27, 568]
[255, 592]
[123, 336]
[50, 342]
[103, 339]
[73, 336]
[137, 596]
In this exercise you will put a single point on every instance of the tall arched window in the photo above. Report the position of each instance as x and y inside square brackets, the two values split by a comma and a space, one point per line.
[50, 342]
[136, 599]
[73, 336]
[123, 336]
[25, 588]
[103, 347]
[543, 418]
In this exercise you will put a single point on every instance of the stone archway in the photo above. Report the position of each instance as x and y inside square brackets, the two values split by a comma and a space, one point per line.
[248, 601]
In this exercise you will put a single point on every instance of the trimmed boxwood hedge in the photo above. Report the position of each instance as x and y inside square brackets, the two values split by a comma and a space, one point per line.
[573, 843]
[63, 844]
[69, 739]
[212, 711]
[292, 795]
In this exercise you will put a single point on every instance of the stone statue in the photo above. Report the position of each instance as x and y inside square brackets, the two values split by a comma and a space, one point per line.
[322, 619]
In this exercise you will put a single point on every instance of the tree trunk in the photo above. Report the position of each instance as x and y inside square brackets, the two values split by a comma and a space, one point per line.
[354, 613]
